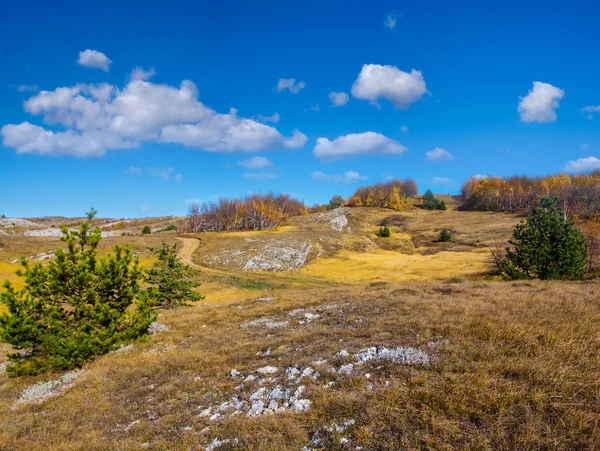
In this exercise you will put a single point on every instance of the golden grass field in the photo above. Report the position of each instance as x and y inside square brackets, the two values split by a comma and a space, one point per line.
[513, 365]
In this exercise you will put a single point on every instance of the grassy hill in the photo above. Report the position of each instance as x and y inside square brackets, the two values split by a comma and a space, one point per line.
[398, 343]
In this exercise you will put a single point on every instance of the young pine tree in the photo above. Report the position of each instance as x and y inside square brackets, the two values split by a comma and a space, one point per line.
[169, 279]
[76, 307]
[546, 246]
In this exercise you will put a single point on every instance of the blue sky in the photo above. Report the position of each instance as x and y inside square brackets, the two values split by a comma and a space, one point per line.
[433, 91]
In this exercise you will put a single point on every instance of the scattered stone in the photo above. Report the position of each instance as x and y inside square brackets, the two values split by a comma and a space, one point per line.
[217, 443]
[8, 223]
[265, 322]
[342, 353]
[41, 391]
[266, 299]
[156, 327]
[234, 373]
[346, 370]
[311, 316]
[124, 348]
[256, 409]
[401, 356]
[296, 312]
[319, 362]
[267, 370]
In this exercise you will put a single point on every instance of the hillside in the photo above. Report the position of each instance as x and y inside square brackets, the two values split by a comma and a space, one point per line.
[321, 335]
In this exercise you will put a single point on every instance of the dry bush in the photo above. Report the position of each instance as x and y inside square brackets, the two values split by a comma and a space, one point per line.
[496, 260]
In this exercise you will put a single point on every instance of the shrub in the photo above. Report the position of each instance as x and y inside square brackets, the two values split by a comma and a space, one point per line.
[546, 246]
[384, 232]
[91, 214]
[169, 227]
[431, 203]
[169, 281]
[335, 202]
[497, 260]
[75, 307]
[444, 236]
[146, 230]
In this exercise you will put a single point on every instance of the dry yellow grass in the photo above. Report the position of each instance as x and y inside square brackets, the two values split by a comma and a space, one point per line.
[351, 267]
[519, 370]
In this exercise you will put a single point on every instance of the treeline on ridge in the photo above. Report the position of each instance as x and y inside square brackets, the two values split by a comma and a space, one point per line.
[577, 194]
[253, 212]
[394, 194]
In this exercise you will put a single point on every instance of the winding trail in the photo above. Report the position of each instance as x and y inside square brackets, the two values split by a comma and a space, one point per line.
[186, 253]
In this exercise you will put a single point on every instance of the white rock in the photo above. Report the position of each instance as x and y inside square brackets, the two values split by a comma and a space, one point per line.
[234, 373]
[156, 327]
[267, 370]
[301, 405]
[403, 356]
[256, 409]
[311, 316]
[258, 394]
[206, 412]
[277, 393]
[342, 353]
[250, 378]
[273, 405]
[346, 370]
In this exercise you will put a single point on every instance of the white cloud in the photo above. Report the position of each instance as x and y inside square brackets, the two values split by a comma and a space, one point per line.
[402, 89]
[178, 178]
[316, 108]
[94, 59]
[391, 20]
[347, 177]
[439, 154]
[585, 146]
[583, 165]
[133, 170]
[356, 144]
[27, 88]
[103, 117]
[338, 98]
[140, 74]
[403, 128]
[274, 118]
[289, 84]
[540, 103]
[442, 180]
[591, 109]
[163, 173]
[256, 163]
[260, 175]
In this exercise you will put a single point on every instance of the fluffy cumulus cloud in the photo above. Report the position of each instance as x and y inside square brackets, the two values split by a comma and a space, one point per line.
[442, 180]
[540, 104]
[256, 163]
[94, 59]
[338, 98]
[101, 117]
[347, 177]
[289, 84]
[439, 154]
[140, 74]
[401, 88]
[588, 164]
[368, 143]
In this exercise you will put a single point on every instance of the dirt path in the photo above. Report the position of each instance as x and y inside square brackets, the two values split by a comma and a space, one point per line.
[190, 245]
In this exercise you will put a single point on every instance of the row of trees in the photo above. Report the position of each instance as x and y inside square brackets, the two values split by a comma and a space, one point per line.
[394, 195]
[576, 194]
[253, 212]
